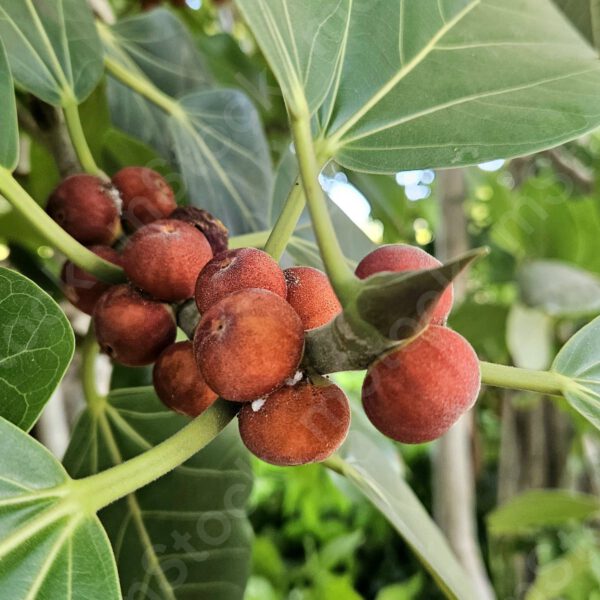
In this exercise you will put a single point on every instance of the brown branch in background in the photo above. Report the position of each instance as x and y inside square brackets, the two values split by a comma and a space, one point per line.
[569, 166]
[46, 124]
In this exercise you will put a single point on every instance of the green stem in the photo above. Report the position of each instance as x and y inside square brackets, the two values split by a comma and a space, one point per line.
[89, 351]
[97, 491]
[144, 87]
[543, 382]
[286, 222]
[340, 274]
[84, 154]
[256, 239]
[55, 235]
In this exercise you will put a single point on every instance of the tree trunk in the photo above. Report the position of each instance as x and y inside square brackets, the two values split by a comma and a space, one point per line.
[454, 485]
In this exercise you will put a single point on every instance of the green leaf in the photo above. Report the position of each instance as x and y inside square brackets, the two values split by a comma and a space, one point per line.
[53, 48]
[304, 43]
[530, 336]
[559, 289]
[47, 549]
[541, 508]
[186, 535]
[443, 83]
[371, 463]
[162, 48]
[406, 292]
[213, 137]
[579, 359]
[36, 347]
[585, 15]
[223, 157]
[554, 578]
[9, 131]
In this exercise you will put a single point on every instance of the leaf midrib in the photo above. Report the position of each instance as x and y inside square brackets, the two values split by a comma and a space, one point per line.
[337, 138]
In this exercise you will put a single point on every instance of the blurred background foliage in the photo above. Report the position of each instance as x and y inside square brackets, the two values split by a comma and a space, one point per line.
[317, 539]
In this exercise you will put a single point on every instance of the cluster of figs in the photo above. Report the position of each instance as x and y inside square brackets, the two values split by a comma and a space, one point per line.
[248, 344]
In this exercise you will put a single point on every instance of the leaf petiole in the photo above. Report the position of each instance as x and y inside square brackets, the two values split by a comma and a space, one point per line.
[543, 382]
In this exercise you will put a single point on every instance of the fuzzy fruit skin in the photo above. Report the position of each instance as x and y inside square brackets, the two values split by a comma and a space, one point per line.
[164, 259]
[132, 329]
[297, 424]
[248, 344]
[311, 296]
[179, 383]
[402, 257]
[87, 208]
[216, 233]
[416, 393]
[82, 289]
[146, 196]
[236, 270]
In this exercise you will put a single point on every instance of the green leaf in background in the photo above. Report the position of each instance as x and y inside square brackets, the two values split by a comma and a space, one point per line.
[529, 337]
[213, 137]
[579, 359]
[371, 463]
[162, 48]
[53, 48]
[585, 15]
[185, 536]
[536, 509]
[36, 347]
[9, 131]
[437, 86]
[47, 550]
[559, 289]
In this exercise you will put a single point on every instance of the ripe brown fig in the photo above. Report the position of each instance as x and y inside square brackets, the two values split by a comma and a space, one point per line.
[146, 196]
[415, 393]
[215, 232]
[164, 259]
[132, 329]
[296, 425]
[179, 383]
[248, 344]
[311, 296]
[87, 208]
[402, 257]
[235, 270]
[83, 289]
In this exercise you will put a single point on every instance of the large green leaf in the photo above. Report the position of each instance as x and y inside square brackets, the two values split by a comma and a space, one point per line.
[443, 83]
[36, 347]
[536, 509]
[371, 463]
[213, 137]
[579, 359]
[9, 132]
[47, 549]
[53, 47]
[185, 536]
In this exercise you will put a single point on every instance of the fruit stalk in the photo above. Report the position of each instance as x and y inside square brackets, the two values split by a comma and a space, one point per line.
[84, 154]
[543, 382]
[97, 491]
[55, 235]
[342, 278]
[286, 222]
